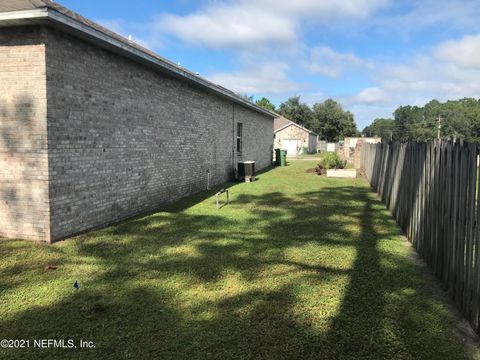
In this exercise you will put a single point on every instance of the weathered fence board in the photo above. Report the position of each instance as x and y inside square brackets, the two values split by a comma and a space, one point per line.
[432, 190]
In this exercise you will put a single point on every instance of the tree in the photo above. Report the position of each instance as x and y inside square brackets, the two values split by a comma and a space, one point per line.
[458, 119]
[331, 122]
[472, 116]
[266, 104]
[297, 111]
[384, 128]
[407, 121]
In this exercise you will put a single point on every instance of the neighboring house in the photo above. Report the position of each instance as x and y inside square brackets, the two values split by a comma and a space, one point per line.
[293, 137]
[95, 128]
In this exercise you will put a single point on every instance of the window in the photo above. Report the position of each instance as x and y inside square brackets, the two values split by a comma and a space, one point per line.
[239, 137]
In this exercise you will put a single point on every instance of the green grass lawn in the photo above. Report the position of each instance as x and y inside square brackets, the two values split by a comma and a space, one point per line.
[296, 267]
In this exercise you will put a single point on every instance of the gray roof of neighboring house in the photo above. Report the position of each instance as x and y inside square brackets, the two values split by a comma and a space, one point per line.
[30, 12]
[281, 123]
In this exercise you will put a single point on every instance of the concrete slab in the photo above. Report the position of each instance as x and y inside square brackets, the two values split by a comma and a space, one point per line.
[342, 173]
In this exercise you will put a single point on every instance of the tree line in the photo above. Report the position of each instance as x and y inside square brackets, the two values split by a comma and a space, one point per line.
[453, 119]
[327, 119]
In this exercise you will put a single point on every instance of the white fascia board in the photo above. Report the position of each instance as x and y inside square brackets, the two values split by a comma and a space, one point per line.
[24, 15]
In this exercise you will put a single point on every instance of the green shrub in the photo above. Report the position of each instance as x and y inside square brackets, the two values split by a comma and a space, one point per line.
[305, 150]
[331, 160]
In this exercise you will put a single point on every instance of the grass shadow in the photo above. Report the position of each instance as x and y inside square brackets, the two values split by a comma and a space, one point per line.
[307, 272]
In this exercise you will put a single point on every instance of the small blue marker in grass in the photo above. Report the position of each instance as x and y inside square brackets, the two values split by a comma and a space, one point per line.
[76, 285]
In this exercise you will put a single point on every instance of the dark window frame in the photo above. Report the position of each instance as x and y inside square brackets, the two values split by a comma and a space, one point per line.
[239, 137]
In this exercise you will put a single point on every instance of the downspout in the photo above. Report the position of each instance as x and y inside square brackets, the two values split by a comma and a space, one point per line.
[233, 140]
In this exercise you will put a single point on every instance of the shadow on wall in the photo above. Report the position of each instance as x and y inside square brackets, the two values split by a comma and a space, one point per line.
[22, 184]
[194, 285]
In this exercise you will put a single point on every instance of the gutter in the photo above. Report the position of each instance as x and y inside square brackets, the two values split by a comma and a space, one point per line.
[50, 16]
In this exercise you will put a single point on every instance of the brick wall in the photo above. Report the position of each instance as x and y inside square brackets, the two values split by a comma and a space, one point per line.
[125, 139]
[257, 137]
[24, 210]
[352, 149]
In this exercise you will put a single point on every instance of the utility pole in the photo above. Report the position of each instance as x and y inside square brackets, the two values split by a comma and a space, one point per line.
[439, 125]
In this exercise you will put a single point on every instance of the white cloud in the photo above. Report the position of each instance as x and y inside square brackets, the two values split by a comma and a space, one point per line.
[223, 25]
[448, 71]
[462, 53]
[311, 98]
[253, 23]
[373, 95]
[327, 62]
[256, 79]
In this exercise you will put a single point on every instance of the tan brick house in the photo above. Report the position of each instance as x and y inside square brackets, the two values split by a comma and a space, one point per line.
[293, 137]
[95, 128]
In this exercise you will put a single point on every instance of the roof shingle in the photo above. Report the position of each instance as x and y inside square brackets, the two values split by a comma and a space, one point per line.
[17, 5]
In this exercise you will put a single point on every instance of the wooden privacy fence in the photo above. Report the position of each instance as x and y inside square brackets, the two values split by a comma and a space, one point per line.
[431, 189]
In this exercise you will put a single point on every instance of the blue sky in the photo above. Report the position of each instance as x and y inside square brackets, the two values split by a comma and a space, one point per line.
[370, 55]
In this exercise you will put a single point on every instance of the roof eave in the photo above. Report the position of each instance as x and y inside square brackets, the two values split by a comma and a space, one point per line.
[23, 17]
[297, 125]
[87, 33]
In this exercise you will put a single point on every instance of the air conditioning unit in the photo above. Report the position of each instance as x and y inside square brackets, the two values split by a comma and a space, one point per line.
[246, 171]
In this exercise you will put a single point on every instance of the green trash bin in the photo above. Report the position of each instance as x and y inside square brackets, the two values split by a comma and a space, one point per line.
[283, 157]
[277, 157]
[280, 157]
